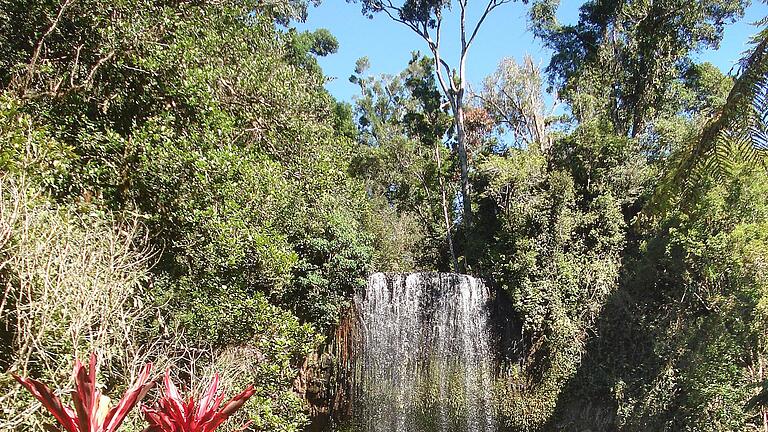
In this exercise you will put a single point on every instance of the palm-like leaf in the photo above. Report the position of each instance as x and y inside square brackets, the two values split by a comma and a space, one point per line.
[738, 132]
[734, 138]
[758, 129]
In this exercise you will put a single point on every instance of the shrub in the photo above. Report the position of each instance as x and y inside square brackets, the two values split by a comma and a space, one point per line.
[72, 284]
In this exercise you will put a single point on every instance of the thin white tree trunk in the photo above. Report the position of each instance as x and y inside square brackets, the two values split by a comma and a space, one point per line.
[446, 214]
[461, 149]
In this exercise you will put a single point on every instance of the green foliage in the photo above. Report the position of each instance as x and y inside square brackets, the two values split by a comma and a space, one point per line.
[412, 11]
[730, 141]
[26, 148]
[404, 158]
[709, 89]
[179, 139]
[284, 11]
[209, 124]
[622, 56]
[266, 202]
[561, 229]
[659, 325]
[684, 338]
[302, 46]
[334, 260]
[86, 288]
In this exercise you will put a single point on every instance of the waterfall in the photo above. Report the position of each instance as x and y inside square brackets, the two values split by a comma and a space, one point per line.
[425, 362]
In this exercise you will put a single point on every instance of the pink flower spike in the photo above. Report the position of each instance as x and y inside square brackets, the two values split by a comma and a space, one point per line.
[132, 396]
[205, 402]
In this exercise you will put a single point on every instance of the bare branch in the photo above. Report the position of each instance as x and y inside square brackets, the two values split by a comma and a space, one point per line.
[439, 62]
[32, 65]
[492, 4]
[394, 13]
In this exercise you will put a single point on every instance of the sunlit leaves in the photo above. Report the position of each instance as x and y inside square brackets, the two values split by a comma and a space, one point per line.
[626, 53]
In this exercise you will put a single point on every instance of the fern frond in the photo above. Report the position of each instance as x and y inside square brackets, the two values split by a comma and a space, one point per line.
[734, 138]
[758, 129]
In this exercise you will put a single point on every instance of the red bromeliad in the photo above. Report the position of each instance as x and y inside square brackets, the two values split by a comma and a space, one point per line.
[172, 414]
[91, 411]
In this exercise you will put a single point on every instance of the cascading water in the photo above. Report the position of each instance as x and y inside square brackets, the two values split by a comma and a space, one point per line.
[424, 363]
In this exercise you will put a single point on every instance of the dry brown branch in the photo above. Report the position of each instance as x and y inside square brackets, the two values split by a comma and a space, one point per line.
[32, 65]
[72, 284]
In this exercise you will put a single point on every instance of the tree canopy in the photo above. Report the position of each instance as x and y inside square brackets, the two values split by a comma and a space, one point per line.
[177, 186]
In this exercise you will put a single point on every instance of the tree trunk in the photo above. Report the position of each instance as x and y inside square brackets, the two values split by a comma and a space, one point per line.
[461, 148]
[761, 378]
[446, 214]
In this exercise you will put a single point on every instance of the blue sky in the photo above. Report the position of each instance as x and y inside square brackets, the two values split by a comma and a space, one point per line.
[388, 44]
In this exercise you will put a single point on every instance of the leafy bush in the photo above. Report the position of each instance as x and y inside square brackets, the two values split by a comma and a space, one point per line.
[560, 229]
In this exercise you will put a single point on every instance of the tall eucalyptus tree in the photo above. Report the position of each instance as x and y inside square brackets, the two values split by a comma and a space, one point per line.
[426, 19]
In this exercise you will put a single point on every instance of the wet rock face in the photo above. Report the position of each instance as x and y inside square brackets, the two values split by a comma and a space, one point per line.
[324, 381]
[417, 352]
[313, 382]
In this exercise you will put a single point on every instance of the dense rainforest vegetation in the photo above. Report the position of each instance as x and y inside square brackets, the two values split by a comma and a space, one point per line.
[177, 186]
